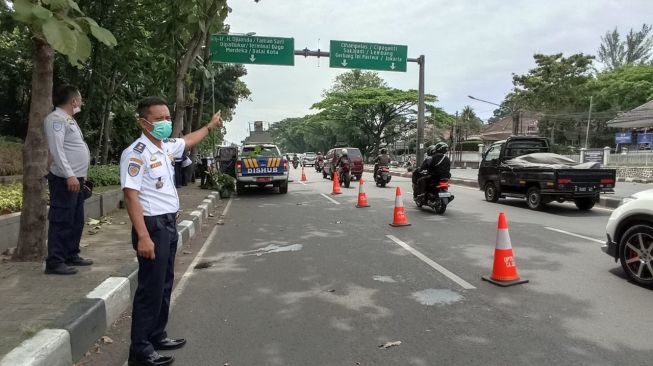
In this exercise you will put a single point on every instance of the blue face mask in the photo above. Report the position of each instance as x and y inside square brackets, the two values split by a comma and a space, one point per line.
[161, 130]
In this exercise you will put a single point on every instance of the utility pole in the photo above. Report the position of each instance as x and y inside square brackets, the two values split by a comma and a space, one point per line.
[589, 117]
[213, 151]
[420, 112]
[516, 115]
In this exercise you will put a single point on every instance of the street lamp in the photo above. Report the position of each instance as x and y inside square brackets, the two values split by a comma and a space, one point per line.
[515, 114]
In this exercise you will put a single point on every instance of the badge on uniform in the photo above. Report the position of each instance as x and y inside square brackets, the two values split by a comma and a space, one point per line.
[152, 158]
[139, 147]
[133, 169]
[57, 126]
[159, 184]
[155, 165]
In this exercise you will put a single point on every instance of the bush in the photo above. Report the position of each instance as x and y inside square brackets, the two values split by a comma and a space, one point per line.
[104, 175]
[11, 156]
[11, 198]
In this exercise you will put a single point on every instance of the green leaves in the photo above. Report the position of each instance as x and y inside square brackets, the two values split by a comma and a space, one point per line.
[66, 35]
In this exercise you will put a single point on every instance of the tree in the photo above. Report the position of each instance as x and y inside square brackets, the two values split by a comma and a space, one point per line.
[356, 79]
[470, 123]
[196, 18]
[52, 28]
[637, 48]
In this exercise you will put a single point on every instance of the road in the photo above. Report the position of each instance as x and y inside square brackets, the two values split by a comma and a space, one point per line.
[308, 279]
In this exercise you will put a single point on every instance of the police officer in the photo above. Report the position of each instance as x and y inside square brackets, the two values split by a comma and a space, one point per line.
[147, 179]
[70, 159]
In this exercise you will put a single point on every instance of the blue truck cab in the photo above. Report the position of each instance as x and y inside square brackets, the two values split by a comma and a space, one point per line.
[261, 165]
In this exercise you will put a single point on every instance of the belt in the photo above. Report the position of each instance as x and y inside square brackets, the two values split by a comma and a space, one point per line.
[168, 216]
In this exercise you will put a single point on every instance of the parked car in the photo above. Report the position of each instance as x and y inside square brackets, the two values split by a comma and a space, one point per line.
[355, 157]
[630, 237]
[308, 158]
[261, 165]
[500, 176]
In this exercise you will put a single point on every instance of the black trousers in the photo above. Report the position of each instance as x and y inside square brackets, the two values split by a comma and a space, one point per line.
[66, 221]
[155, 278]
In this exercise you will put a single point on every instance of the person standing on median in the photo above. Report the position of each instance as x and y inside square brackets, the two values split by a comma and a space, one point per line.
[70, 159]
[147, 177]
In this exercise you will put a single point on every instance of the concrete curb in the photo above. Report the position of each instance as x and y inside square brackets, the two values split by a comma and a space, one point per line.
[607, 202]
[71, 335]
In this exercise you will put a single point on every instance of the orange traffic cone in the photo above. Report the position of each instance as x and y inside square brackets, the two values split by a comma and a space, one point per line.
[362, 197]
[336, 183]
[303, 176]
[399, 218]
[504, 270]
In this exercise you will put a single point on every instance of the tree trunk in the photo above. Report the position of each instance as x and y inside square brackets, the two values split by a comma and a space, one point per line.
[31, 240]
[197, 121]
[107, 120]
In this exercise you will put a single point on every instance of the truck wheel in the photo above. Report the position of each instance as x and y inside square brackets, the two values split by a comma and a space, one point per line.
[240, 188]
[491, 192]
[534, 199]
[585, 203]
[636, 255]
[283, 188]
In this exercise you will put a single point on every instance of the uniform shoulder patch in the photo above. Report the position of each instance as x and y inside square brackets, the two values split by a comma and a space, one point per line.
[57, 126]
[133, 169]
[139, 147]
[170, 140]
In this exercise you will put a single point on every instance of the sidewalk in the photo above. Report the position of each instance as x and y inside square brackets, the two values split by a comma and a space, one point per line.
[31, 301]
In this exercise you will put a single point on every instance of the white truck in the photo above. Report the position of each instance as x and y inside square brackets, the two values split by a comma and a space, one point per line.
[261, 165]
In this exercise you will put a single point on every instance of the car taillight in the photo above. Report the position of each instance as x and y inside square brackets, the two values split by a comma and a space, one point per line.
[285, 165]
[607, 181]
[239, 165]
[443, 185]
[564, 181]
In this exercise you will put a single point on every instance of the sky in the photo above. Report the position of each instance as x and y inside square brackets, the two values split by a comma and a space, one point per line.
[471, 47]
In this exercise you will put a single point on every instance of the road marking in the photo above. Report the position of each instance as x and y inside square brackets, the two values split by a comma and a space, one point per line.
[330, 199]
[190, 270]
[576, 235]
[302, 182]
[452, 276]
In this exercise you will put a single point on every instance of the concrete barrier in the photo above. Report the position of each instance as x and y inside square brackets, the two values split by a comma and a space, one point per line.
[93, 207]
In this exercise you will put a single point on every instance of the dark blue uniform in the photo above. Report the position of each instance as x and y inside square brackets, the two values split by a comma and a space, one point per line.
[66, 219]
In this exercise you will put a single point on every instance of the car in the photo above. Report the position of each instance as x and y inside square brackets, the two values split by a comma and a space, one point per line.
[355, 157]
[394, 163]
[308, 158]
[261, 165]
[630, 237]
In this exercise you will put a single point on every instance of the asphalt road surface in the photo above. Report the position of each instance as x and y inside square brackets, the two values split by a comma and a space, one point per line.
[308, 279]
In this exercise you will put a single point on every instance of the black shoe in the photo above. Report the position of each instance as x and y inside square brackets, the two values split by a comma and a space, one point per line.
[169, 343]
[79, 261]
[60, 269]
[153, 359]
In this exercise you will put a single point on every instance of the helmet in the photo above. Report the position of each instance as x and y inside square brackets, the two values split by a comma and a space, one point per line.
[343, 152]
[319, 153]
[430, 150]
[441, 147]
[384, 151]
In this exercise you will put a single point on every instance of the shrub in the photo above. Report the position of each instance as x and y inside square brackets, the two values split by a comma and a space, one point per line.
[104, 175]
[11, 198]
[11, 156]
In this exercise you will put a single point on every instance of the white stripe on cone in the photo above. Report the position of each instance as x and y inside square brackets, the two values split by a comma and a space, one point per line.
[398, 201]
[503, 239]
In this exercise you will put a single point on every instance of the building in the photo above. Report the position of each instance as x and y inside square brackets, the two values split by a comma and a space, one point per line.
[640, 117]
[502, 129]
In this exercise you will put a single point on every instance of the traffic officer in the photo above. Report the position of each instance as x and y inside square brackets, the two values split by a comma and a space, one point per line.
[147, 180]
[70, 159]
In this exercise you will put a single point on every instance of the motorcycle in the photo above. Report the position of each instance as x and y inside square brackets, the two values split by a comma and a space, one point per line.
[295, 163]
[344, 175]
[437, 196]
[319, 166]
[382, 176]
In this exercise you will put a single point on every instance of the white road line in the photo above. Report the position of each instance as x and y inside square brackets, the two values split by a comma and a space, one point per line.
[330, 199]
[576, 235]
[191, 268]
[452, 276]
[302, 182]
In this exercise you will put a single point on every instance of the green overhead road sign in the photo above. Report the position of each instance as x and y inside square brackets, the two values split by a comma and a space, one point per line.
[229, 48]
[371, 56]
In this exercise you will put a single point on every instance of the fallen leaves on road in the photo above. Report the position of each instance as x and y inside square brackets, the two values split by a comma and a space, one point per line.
[220, 222]
[387, 345]
[106, 340]
[211, 215]
[93, 222]
[186, 252]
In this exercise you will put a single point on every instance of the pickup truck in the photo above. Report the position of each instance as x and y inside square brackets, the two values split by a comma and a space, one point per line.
[539, 184]
[261, 165]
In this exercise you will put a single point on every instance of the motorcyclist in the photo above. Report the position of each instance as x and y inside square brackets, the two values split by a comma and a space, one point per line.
[438, 166]
[318, 159]
[343, 159]
[383, 159]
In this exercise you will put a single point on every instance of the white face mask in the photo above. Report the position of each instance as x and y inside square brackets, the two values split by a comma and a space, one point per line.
[77, 110]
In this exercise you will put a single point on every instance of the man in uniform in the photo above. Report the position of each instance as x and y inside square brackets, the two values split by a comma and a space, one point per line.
[70, 159]
[147, 179]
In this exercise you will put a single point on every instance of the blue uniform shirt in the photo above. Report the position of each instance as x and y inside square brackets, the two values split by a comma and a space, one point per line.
[149, 170]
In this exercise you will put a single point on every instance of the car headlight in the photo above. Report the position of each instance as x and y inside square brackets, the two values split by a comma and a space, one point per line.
[627, 199]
